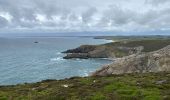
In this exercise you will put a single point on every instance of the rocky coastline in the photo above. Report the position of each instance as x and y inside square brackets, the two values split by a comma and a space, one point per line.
[155, 61]
[101, 51]
[141, 71]
[129, 56]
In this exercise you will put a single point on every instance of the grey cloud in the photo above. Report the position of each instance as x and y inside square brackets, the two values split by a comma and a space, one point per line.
[154, 19]
[147, 17]
[78, 14]
[18, 10]
[87, 15]
[3, 22]
[51, 9]
[73, 17]
[117, 16]
[156, 2]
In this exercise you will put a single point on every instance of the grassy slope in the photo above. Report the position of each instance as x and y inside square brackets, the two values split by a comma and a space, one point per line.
[148, 86]
[149, 45]
[122, 47]
[129, 86]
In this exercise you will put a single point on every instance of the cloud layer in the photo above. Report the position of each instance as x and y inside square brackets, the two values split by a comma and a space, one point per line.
[84, 15]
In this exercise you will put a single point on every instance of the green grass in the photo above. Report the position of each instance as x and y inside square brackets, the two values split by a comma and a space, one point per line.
[120, 48]
[114, 87]
[148, 44]
[97, 96]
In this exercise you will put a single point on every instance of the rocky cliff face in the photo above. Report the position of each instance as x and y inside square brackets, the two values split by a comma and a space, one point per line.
[146, 62]
[101, 51]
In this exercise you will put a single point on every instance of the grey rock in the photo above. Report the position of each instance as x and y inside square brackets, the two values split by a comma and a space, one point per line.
[101, 51]
[146, 62]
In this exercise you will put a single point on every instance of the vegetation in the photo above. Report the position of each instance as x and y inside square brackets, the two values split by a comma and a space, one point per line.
[148, 86]
[135, 86]
[122, 46]
[148, 44]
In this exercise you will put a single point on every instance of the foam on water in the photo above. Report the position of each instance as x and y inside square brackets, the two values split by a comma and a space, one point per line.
[86, 73]
[57, 59]
[58, 53]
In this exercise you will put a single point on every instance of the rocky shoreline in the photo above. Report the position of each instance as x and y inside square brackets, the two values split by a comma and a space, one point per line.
[134, 56]
[143, 74]
[155, 61]
[101, 51]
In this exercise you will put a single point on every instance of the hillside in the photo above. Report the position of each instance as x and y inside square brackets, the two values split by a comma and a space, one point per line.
[117, 49]
[148, 86]
[146, 62]
[142, 73]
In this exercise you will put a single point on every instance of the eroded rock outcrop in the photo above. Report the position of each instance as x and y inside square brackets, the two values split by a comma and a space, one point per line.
[145, 62]
[82, 49]
[101, 51]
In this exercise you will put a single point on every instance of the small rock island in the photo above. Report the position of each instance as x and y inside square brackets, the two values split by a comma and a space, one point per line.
[36, 42]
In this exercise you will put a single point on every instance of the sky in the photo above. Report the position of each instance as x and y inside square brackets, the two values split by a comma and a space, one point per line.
[50, 16]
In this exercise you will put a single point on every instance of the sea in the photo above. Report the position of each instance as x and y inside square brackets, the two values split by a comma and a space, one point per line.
[33, 59]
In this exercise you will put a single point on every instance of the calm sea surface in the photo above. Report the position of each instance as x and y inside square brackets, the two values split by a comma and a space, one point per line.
[23, 61]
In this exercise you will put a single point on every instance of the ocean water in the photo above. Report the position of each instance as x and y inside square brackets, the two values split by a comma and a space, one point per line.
[23, 61]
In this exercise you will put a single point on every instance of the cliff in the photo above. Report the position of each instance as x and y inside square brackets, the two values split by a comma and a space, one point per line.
[125, 79]
[146, 62]
[101, 51]
[116, 49]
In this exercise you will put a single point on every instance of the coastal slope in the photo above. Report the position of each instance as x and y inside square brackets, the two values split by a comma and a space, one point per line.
[129, 56]
[142, 72]
[145, 86]
[155, 61]
[116, 49]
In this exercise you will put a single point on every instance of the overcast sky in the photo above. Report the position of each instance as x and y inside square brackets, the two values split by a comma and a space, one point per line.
[84, 15]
